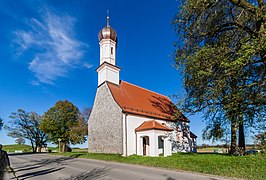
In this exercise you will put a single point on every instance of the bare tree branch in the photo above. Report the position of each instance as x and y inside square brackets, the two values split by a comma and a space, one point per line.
[244, 4]
[261, 3]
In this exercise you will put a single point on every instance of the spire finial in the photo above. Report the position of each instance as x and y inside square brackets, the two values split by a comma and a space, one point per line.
[108, 19]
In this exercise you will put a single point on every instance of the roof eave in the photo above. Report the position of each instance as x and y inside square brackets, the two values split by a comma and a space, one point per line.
[146, 129]
[149, 116]
[108, 64]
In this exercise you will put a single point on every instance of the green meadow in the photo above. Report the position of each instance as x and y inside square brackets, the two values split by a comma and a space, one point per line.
[246, 167]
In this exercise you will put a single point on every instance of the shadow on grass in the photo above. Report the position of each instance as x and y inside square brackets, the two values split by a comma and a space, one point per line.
[76, 155]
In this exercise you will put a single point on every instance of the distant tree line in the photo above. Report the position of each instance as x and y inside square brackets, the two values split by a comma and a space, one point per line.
[210, 146]
[257, 145]
[61, 123]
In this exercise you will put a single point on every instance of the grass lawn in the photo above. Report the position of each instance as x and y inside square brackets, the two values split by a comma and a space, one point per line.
[22, 147]
[83, 150]
[16, 147]
[247, 167]
[209, 150]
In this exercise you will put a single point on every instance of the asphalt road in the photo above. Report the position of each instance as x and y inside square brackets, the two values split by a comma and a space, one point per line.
[46, 167]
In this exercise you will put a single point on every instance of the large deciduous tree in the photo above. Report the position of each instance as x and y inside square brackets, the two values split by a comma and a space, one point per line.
[26, 125]
[78, 133]
[64, 121]
[221, 52]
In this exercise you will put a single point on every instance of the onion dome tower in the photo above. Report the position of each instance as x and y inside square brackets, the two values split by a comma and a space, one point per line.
[108, 71]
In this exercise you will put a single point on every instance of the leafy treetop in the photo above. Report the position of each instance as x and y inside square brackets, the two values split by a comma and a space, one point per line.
[61, 121]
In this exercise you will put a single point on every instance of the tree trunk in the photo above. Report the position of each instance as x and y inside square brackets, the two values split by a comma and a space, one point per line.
[241, 136]
[38, 145]
[32, 146]
[38, 148]
[63, 145]
[35, 148]
[233, 136]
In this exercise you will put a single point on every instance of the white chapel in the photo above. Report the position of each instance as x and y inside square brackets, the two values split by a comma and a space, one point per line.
[127, 119]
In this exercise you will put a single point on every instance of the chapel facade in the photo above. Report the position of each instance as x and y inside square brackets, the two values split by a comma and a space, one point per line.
[127, 119]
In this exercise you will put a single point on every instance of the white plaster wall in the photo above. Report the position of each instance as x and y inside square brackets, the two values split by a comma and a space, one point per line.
[153, 143]
[113, 75]
[160, 151]
[105, 54]
[167, 142]
[167, 147]
[124, 135]
[132, 122]
[181, 143]
[108, 74]
[139, 141]
[102, 76]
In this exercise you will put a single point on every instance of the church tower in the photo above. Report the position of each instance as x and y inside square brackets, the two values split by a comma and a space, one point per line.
[108, 71]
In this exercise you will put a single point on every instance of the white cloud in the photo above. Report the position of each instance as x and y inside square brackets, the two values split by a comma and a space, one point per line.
[87, 65]
[52, 42]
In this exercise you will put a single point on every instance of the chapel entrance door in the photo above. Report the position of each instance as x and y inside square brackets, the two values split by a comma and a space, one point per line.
[145, 145]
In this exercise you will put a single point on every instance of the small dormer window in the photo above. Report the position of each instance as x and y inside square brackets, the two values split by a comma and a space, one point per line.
[112, 49]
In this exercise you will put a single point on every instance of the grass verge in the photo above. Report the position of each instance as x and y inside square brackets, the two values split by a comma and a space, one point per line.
[17, 147]
[247, 167]
[21, 147]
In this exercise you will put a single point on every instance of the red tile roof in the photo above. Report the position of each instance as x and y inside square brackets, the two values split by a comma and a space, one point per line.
[147, 125]
[136, 100]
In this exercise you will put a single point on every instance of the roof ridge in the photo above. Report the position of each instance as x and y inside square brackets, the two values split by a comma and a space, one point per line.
[146, 89]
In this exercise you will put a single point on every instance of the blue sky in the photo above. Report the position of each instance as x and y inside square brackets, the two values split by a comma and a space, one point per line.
[49, 51]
